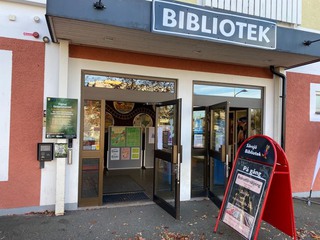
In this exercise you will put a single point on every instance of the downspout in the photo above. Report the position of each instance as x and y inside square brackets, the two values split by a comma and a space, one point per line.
[283, 108]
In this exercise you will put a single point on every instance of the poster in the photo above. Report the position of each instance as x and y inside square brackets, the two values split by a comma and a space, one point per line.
[115, 154]
[60, 150]
[247, 192]
[133, 137]
[61, 118]
[118, 136]
[151, 135]
[125, 153]
[135, 153]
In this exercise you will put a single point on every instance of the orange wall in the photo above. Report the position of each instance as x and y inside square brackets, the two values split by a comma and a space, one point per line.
[302, 136]
[165, 62]
[23, 187]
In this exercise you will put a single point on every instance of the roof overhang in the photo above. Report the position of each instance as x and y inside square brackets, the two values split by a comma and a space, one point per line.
[126, 25]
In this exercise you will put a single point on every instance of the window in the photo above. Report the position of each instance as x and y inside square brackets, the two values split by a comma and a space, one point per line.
[224, 91]
[128, 83]
[315, 102]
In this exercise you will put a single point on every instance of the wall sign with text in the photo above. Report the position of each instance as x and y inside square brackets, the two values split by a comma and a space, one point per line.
[201, 23]
[61, 118]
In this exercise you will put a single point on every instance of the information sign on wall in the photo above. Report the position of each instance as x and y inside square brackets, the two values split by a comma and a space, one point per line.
[61, 118]
[201, 23]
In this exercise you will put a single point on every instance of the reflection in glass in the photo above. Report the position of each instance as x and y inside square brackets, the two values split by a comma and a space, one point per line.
[217, 144]
[218, 129]
[166, 125]
[128, 83]
[255, 117]
[199, 129]
[91, 125]
[224, 91]
[164, 181]
[90, 178]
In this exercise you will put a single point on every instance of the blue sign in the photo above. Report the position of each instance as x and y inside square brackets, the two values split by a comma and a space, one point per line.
[200, 23]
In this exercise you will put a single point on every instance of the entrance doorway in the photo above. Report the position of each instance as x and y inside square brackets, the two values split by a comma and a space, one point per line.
[219, 128]
[119, 129]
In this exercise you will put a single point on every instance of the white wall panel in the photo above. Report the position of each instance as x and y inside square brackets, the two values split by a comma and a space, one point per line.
[227, 4]
[288, 11]
[18, 21]
[234, 5]
[284, 11]
[239, 6]
[263, 8]
[268, 9]
[257, 7]
[5, 100]
[279, 10]
[251, 7]
[245, 8]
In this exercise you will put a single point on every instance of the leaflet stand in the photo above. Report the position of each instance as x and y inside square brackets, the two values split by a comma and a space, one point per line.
[259, 189]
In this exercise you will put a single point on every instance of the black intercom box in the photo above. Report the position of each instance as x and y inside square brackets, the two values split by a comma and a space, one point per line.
[45, 151]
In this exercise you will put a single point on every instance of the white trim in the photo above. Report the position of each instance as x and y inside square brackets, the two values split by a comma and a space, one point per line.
[314, 88]
[41, 3]
[5, 100]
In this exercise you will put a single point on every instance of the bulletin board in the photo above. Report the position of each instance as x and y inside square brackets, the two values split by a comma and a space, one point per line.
[124, 150]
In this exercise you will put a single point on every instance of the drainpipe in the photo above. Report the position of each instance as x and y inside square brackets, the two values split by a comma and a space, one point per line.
[283, 108]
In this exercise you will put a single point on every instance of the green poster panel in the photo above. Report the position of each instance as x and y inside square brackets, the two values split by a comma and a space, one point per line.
[118, 136]
[61, 118]
[133, 137]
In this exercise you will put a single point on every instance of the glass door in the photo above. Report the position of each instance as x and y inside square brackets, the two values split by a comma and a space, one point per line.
[167, 157]
[218, 119]
[91, 153]
[199, 152]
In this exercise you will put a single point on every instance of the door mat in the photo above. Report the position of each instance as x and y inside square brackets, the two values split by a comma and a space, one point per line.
[120, 184]
[124, 197]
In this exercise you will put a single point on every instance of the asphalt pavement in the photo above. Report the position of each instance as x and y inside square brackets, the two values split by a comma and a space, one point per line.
[147, 221]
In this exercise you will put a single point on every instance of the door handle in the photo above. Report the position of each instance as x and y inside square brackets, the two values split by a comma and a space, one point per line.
[227, 165]
[175, 157]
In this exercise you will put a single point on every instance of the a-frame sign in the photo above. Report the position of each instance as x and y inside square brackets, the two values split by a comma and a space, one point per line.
[259, 189]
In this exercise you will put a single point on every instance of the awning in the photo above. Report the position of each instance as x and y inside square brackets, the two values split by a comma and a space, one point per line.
[126, 25]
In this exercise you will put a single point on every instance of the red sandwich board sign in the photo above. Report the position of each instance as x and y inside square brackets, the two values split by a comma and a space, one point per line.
[259, 189]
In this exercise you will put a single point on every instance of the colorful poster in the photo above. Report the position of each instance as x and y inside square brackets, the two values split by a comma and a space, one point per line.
[135, 153]
[115, 154]
[247, 192]
[61, 118]
[133, 137]
[125, 153]
[118, 136]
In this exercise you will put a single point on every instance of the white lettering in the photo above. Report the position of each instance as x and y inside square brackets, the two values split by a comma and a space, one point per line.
[252, 32]
[263, 34]
[214, 25]
[222, 27]
[192, 22]
[241, 26]
[181, 20]
[204, 25]
[169, 18]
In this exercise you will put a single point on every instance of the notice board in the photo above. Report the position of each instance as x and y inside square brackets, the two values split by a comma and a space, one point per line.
[124, 148]
[258, 189]
[61, 118]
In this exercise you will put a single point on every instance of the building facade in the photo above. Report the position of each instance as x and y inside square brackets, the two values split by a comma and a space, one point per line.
[231, 59]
